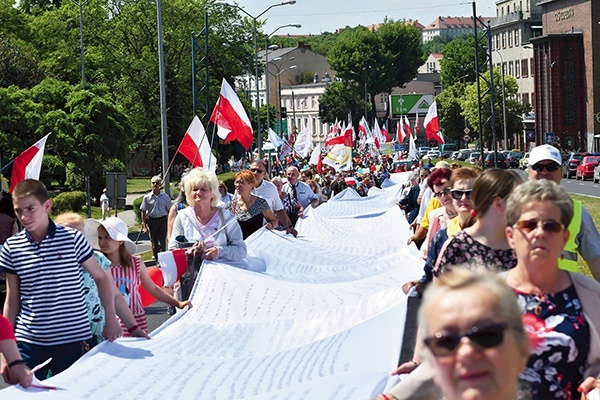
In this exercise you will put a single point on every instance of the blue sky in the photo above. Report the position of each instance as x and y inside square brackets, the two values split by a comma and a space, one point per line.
[318, 16]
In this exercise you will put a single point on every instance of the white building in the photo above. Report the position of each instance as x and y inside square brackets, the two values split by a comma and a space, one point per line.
[448, 27]
[514, 25]
[302, 103]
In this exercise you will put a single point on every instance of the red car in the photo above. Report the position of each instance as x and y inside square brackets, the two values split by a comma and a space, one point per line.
[585, 169]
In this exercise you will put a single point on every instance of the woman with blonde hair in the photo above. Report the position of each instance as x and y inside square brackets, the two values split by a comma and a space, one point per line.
[214, 232]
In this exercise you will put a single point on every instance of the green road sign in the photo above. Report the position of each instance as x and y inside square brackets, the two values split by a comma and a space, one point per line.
[281, 126]
[403, 104]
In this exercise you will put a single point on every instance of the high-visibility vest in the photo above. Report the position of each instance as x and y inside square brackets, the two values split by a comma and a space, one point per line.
[568, 260]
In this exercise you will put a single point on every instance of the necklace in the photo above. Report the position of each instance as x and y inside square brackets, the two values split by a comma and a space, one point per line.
[541, 299]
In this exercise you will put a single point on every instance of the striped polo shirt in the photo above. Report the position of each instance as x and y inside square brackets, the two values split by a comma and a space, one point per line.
[53, 309]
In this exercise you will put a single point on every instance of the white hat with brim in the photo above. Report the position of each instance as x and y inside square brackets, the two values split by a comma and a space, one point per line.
[116, 228]
[544, 152]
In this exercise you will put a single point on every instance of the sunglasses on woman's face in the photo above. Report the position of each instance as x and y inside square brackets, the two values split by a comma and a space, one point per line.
[485, 337]
[549, 226]
[445, 191]
[457, 194]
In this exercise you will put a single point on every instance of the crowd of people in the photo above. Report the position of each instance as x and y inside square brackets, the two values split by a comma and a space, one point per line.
[504, 313]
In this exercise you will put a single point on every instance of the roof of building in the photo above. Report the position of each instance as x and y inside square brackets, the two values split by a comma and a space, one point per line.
[450, 23]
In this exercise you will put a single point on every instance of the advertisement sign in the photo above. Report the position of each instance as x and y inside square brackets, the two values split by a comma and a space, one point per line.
[403, 104]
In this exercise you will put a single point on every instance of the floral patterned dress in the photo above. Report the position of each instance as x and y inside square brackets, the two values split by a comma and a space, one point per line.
[560, 341]
[250, 220]
[463, 249]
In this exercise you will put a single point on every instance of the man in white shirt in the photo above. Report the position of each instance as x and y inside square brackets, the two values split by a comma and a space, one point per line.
[268, 191]
[299, 190]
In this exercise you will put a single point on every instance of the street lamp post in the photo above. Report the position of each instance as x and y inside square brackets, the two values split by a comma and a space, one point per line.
[547, 65]
[278, 76]
[267, 48]
[504, 128]
[255, 34]
[80, 5]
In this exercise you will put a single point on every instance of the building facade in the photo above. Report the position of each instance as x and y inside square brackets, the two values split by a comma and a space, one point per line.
[448, 27]
[567, 80]
[302, 104]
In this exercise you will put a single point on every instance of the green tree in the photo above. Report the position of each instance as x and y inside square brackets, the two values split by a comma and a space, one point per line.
[514, 109]
[341, 98]
[435, 45]
[381, 59]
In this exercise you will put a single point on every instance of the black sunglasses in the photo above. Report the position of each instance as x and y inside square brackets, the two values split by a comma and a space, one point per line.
[549, 226]
[549, 167]
[485, 337]
[260, 171]
[445, 191]
[457, 194]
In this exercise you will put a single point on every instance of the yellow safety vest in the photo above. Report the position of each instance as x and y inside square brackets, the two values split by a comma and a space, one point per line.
[568, 261]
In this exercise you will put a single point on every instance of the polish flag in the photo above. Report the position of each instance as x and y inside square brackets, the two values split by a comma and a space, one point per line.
[417, 125]
[345, 139]
[173, 265]
[407, 126]
[195, 146]
[400, 131]
[315, 158]
[432, 124]
[28, 164]
[385, 133]
[231, 118]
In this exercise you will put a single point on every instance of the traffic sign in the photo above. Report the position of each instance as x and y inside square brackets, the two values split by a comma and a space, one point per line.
[549, 137]
[530, 134]
[466, 130]
[467, 138]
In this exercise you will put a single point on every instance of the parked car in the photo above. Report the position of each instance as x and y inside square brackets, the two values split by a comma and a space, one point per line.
[597, 173]
[433, 153]
[513, 158]
[495, 159]
[474, 158]
[455, 155]
[463, 154]
[569, 167]
[585, 169]
[422, 151]
[524, 162]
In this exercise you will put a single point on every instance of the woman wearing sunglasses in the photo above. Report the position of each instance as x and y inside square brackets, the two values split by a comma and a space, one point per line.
[561, 309]
[482, 241]
[474, 335]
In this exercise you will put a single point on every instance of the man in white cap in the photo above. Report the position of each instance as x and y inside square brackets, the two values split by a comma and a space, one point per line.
[545, 163]
[154, 210]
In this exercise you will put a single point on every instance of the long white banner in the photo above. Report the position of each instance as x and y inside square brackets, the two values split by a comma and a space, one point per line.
[320, 316]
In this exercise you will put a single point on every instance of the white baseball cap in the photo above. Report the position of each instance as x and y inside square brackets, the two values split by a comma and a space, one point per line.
[116, 228]
[544, 152]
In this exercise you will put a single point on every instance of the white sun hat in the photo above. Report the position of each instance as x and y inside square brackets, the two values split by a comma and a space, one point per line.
[116, 228]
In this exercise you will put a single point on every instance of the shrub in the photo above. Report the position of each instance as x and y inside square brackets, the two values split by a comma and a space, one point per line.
[136, 209]
[68, 201]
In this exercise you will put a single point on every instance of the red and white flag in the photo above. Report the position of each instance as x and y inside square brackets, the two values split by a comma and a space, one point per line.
[28, 164]
[346, 139]
[407, 126]
[432, 124]
[315, 158]
[377, 135]
[386, 133]
[173, 265]
[231, 118]
[416, 125]
[400, 131]
[286, 148]
[195, 146]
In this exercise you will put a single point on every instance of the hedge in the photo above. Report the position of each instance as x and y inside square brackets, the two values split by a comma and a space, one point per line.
[68, 201]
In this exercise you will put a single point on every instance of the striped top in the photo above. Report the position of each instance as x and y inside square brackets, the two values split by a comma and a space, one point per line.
[128, 282]
[53, 309]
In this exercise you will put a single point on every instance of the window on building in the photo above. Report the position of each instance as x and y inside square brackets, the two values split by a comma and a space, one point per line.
[525, 98]
[524, 68]
[510, 38]
[503, 40]
[313, 101]
[517, 69]
[504, 70]
[511, 68]
[497, 36]
[517, 38]
[532, 67]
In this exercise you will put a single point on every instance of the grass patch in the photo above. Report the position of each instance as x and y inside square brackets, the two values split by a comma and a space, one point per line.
[592, 204]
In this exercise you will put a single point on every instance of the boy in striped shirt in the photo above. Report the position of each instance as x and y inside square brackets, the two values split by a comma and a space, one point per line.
[44, 298]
